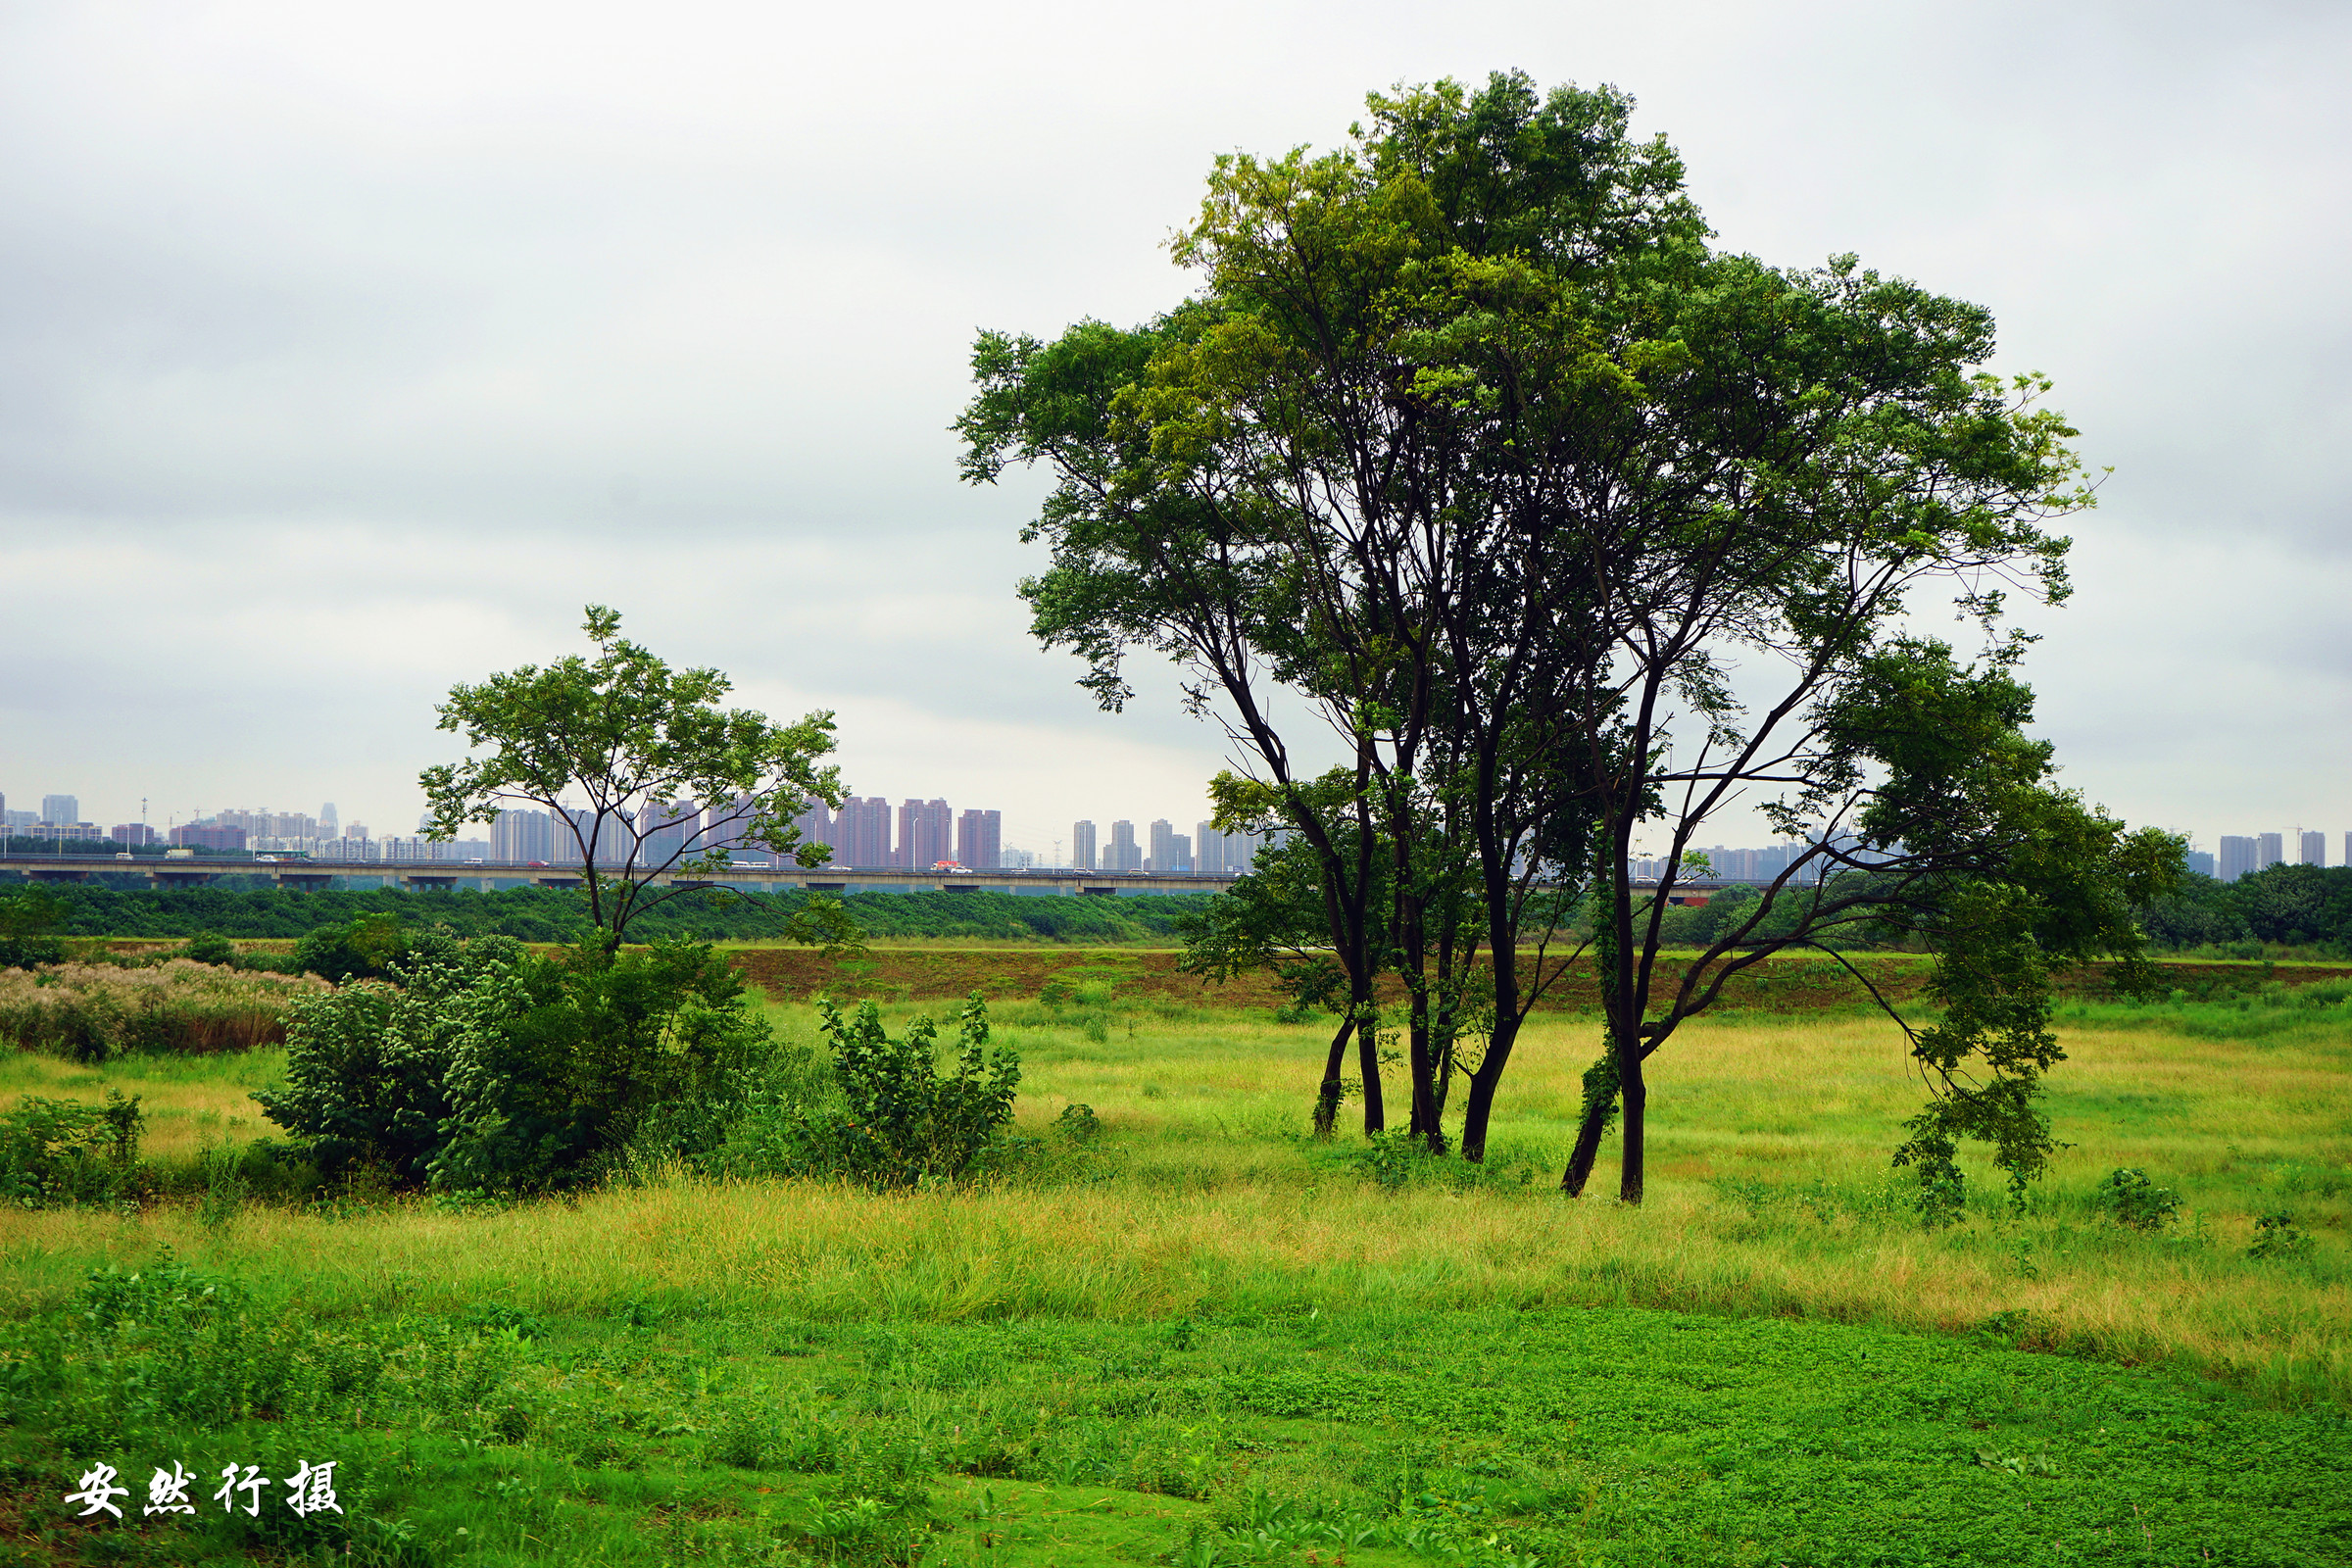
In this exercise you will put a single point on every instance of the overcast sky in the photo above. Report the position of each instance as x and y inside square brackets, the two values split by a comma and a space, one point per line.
[346, 352]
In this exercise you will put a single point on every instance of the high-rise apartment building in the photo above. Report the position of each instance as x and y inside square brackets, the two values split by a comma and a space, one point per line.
[1171, 850]
[1124, 854]
[816, 824]
[662, 829]
[59, 810]
[926, 834]
[2313, 850]
[1082, 844]
[2270, 851]
[522, 837]
[2201, 862]
[980, 840]
[327, 827]
[2238, 857]
[1216, 854]
[863, 833]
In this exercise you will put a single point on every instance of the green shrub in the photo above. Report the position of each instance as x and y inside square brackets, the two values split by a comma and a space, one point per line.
[2278, 1237]
[487, 1069]
[562, 1064]
[55, 1151]
[368, 1063]
[2131, 1200]
[366, 948]
[207, 946]
[889, 1117]
[28, 923]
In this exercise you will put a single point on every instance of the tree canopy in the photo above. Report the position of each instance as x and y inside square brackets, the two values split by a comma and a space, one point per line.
[1575, 529]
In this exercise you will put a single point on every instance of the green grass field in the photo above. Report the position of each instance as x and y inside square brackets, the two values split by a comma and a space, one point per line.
[1211, 1339]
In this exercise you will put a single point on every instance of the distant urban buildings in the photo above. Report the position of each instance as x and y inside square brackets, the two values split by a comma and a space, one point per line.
[980, 840]
[2241, 855]
[2238, 857]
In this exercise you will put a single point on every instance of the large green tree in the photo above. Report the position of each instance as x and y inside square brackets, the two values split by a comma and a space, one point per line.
[1577, 529]
[668, 776]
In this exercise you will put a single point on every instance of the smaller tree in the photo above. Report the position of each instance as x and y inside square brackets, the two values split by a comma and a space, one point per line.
[671, 778]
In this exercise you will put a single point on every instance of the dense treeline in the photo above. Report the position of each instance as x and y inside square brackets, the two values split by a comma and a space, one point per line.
[548, 914]
[2287, 906]
[2298, 906]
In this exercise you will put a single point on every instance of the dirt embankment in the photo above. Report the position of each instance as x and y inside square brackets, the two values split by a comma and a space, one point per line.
[1783, 984]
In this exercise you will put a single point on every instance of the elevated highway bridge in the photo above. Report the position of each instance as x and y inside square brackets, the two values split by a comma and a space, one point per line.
[491, 876]
[488, 876]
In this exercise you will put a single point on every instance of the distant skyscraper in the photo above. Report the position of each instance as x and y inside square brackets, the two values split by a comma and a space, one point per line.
[2271, 851]
[1082, 844]
[2313, 850]
[662, 828]
[979, 840]
[1163, 847]
[60, 808]
[1216, 854]
[817, 824]
[863, 827]
[522, 837]
[328, 827]
[2200, 862]
[2238, 857]
[1124, 854]
[926, 834]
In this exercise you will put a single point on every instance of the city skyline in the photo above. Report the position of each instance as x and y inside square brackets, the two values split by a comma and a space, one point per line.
[872, 832]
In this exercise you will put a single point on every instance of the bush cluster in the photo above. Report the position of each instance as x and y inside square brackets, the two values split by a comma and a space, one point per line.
[55, 1151]
[479, 1066]
[886, 1116]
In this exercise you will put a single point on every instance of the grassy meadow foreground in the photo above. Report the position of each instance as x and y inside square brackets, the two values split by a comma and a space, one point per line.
[1199, 1338]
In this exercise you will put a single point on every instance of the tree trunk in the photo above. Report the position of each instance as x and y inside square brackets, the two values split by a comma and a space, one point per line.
[1367, 1043]
[1327, 1097]
[1478, 1104]
[1600, 1109]
[1635, 1095]
[1423, 1066]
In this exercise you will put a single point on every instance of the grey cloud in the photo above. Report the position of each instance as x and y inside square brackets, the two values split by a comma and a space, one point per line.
[450, 319]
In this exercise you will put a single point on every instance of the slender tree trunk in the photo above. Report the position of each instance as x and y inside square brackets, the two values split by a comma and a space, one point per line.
[1477, 1106]
[1367, 1044]
[1327, 1097]
[1600, 1109]
[1423, 1065]
[1636, 1093]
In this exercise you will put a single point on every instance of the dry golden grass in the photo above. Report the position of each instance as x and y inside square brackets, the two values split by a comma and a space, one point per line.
[179, 1006]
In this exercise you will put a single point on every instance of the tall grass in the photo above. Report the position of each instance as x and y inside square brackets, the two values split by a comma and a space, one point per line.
[90, 1011]
[1770, 1192]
